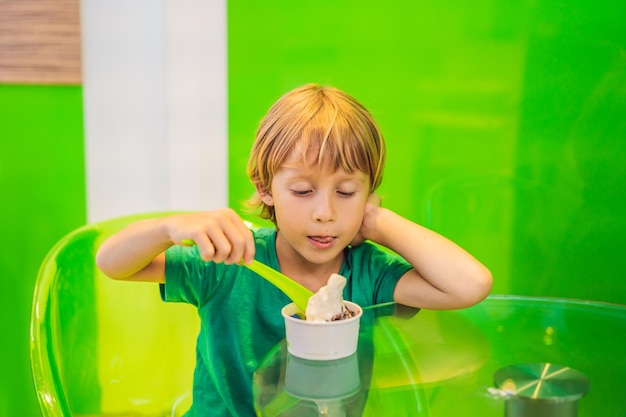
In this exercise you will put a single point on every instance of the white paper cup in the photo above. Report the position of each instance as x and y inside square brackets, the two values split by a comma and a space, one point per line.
[321, 340]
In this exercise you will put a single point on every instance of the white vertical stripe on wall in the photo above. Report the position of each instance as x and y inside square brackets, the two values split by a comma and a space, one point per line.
[155, 105]
[197, 96]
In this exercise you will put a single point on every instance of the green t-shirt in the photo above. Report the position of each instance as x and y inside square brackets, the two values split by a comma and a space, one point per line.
[240, 314]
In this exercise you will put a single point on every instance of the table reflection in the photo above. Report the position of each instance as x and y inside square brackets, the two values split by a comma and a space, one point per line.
[442, 363]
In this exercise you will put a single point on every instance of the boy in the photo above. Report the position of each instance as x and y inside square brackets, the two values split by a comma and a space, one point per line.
[316, 162]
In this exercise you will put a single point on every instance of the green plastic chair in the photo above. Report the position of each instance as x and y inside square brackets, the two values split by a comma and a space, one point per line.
[101, 347]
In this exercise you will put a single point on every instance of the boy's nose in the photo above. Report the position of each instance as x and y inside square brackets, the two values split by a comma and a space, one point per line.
[324, 211]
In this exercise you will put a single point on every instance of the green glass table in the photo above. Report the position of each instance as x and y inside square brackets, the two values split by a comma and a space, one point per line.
[507, 356]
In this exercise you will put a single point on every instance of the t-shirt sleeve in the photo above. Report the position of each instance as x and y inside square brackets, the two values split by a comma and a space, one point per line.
[188, 278]
[391, 268]
[377, 272]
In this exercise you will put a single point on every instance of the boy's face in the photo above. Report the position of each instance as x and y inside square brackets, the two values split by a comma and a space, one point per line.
[318, 213]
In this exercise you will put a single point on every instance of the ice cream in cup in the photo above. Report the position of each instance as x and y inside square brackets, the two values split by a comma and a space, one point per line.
[328, 329]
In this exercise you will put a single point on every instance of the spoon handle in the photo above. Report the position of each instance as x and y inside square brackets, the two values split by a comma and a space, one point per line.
[299, 294]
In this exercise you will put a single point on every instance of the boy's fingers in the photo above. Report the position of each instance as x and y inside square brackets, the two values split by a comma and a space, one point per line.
[248, 243]
[227, 240]
[223, 247]
[233, 241]
[248, 254]
[206, 248]
[243, 241]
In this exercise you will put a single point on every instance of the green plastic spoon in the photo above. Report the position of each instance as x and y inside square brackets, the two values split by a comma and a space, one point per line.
[297, 293]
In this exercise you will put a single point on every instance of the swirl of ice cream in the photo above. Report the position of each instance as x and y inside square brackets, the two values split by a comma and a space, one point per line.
[327, 304]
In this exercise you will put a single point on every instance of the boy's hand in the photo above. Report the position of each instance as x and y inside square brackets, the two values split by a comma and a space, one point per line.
[221, 235]
[372, 207]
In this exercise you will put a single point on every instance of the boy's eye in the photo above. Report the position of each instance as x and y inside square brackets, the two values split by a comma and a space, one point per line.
[301, 192]
[346, 193]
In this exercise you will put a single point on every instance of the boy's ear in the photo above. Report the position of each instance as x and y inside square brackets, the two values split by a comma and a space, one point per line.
[265, 196]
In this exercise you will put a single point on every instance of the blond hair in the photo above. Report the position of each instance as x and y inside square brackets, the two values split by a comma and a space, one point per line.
[328, 128]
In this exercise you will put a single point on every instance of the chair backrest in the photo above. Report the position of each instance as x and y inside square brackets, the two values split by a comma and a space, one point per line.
[103, 347]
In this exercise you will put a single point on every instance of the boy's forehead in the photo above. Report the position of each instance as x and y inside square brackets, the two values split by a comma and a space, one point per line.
[311, 162]
[300, 171]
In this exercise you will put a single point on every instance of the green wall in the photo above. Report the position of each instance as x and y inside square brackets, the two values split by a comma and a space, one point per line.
[42, 182]
[505, 121]
[572, 133]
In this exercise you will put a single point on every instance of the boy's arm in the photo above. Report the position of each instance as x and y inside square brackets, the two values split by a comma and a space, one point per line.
[137, 251]
[444, 276]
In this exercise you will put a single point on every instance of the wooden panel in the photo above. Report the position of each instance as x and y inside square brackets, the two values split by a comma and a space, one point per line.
[40, 41]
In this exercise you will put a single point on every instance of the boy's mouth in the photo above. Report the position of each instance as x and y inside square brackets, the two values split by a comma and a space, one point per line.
[322, 242]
